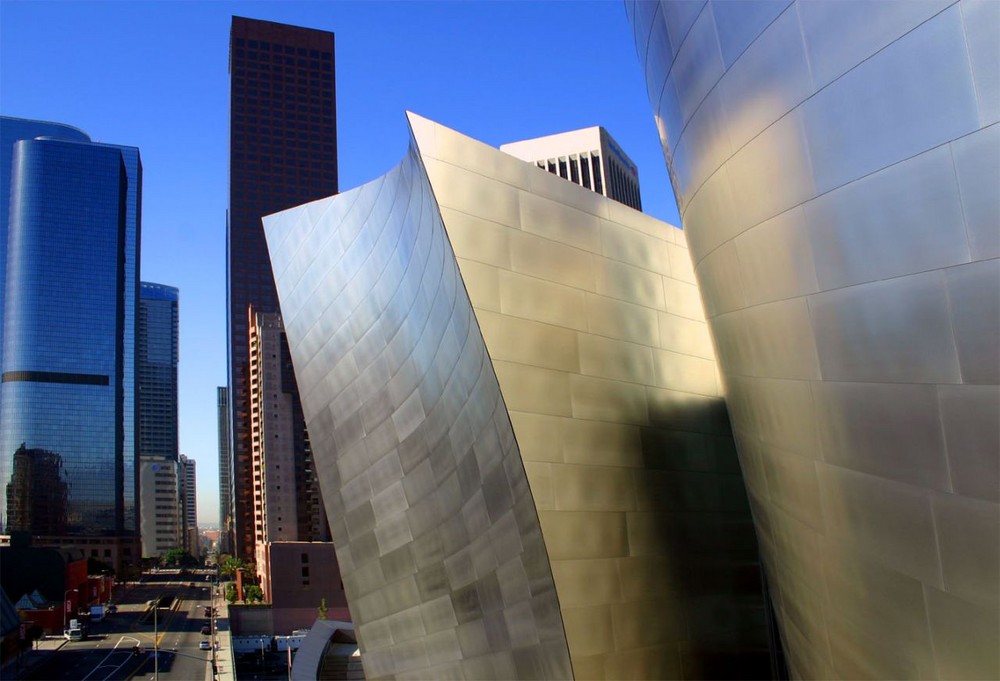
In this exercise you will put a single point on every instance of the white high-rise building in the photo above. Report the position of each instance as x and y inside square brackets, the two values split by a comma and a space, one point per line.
[160, 520]
[225, 474]
[589, 157]
[189, 504]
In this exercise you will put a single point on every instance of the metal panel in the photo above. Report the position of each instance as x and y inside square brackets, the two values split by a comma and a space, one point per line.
[631, 284]
[965, 636]
[740, 23]
[722, 290]
[887, 430]
[708, 131]
[778, 339]
[698, 63]
[932, 91]
[678, 17]
[977, 164]
[974, 294]
[980, 17]
[560, 222]
[970, 566]
[542, 258]
[542, 301]
[866, 333]
[774, 172]
[840, 34]
[970, 416]
[889, 521]
[776, 259]
[855, 230]
[770, 78]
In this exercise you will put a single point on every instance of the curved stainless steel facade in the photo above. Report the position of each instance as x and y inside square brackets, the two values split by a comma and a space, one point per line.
[437, 539]
[836, 165]
[518, 426]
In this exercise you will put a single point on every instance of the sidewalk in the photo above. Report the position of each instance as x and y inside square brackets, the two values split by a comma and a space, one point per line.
[30, 659]
[224, 663]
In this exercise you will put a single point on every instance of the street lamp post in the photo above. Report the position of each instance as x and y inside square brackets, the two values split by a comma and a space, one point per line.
[66, 604]
[156, 651]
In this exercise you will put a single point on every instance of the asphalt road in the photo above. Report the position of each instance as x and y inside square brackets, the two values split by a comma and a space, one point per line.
[107, 655]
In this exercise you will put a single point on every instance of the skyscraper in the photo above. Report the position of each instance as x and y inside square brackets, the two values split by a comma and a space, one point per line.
[225, 473]
[188, 483]
[160, 505]
[156, 362]
[12, 130]
[283, 152]
[157, 366]
[68, 390]
[287, 504]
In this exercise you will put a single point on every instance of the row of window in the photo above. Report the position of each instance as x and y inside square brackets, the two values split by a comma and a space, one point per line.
[252, 76]
[578, 169]
[623, 188]
[278, 48]
[261, 60]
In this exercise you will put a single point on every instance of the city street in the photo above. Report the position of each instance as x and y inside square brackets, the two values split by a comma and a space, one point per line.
[121, 647]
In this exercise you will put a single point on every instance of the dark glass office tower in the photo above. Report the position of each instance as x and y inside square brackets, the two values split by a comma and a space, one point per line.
[68, 385]
[283, 152]
[158, 355]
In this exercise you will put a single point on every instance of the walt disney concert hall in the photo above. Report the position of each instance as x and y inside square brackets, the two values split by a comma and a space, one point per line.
[557, 438]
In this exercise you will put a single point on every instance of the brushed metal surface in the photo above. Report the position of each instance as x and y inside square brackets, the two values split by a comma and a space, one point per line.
[846, 250]
[980, 16]
[403, 554]
[518, 402]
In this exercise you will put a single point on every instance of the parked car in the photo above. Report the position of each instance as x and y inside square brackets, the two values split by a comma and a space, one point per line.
[205, 645]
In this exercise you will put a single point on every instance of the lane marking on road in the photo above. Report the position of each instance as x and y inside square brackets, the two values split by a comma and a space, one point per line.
[112, 652]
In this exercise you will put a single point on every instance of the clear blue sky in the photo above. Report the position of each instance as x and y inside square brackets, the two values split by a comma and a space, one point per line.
[155, 75]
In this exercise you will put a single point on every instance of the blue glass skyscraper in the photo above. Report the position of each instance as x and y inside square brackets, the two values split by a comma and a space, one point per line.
[68, 392]
[158, 355]
[13, 130]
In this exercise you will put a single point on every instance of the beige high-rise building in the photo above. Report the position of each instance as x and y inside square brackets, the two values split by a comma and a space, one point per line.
[286, 503]
[160, 520]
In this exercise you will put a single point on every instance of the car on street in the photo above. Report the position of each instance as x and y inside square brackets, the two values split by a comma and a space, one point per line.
[206, 630]
[205, 645]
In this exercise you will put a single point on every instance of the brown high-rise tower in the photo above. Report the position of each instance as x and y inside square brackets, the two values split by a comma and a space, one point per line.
[282, 153]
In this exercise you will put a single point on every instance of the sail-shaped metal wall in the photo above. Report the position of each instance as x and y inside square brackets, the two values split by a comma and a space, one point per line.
[837, 168]
[516, 415]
